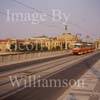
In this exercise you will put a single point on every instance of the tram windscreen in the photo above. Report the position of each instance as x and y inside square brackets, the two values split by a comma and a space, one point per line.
[77, 46]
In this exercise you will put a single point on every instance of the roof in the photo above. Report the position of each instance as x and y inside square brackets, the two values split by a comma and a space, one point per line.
[6, 40]
[43, 36]
[19, 40]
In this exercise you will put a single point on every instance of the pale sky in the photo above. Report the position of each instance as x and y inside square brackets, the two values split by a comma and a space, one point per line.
[84, 18]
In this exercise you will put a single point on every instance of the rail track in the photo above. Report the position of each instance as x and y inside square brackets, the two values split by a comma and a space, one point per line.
[45, 69]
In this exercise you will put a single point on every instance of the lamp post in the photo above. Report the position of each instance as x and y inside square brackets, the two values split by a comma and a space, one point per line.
[78, 35]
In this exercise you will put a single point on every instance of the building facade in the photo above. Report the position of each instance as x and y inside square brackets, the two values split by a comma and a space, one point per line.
[5, 44]
[97, 43]
[60, 42]
[67, 40]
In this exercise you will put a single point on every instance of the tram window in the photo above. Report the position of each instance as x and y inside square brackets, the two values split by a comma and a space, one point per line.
[77, 46]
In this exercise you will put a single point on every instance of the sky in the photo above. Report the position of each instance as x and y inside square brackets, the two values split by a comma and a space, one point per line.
[82, 16]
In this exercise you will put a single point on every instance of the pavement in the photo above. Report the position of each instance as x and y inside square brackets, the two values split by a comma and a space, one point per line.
[91, 89]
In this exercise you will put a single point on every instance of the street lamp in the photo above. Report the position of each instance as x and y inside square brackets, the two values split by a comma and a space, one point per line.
[78, 35]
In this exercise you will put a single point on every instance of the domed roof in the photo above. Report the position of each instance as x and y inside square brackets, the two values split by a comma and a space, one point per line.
[67, 36]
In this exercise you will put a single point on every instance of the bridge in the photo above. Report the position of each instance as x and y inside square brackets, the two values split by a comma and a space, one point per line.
[55, 76]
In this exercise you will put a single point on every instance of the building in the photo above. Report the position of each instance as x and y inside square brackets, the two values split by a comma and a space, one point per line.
[60, 42]
[47, 43]
[63, 41]
[55, 44]
[42, 42]
[67, 40]
[6, 44]
[97, 43]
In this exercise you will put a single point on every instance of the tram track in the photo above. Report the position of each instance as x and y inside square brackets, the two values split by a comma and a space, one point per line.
[52, 65]
[42, 67]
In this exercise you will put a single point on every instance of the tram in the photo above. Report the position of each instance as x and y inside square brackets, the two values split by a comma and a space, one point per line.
[83, 48]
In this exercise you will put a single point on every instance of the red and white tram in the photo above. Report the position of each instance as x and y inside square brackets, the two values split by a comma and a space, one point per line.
[83, 47]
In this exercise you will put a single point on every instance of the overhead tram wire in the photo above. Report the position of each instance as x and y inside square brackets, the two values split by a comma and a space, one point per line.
[39, 11]
[29, 7]
[79, 27]
[2, 13]
[76, 25]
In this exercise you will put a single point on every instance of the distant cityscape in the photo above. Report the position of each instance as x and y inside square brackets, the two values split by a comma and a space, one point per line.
[63, 41]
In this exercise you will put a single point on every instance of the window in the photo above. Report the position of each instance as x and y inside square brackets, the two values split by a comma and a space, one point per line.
[77, 46]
